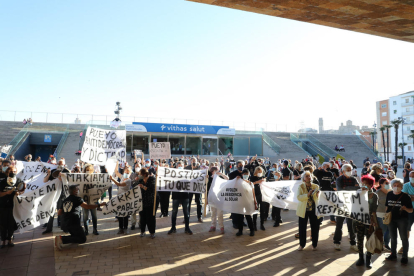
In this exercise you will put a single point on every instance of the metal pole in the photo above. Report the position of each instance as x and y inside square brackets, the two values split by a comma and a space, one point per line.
[46, 117]
[402, 132]
[92, 118]
[106, 119]
[62, 118]
[15, 116]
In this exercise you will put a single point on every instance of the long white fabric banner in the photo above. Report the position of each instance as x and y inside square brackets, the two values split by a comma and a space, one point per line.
[179, 180]
[349, 204]
[234, 196]
[124, 204]
[101, 144]
[282, 194]
[34, 208]
[91, 186]
[33, 173]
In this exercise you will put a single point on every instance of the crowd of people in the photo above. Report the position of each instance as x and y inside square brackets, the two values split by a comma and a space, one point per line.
[387, 195]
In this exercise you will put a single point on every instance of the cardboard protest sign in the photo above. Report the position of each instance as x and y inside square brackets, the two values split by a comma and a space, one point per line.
[160, 150]
[282, 194]
[4, 150]
[91, 186]
[349, 204]
[233, 196]
[115, 124]
[137, 152]
[101, 144]
[124, 204]
[178, 180]
[33, 174]
[35, 207]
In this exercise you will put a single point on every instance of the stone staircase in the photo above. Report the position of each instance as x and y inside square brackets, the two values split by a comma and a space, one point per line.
[288, 149]
[8, 130]
[355, 149]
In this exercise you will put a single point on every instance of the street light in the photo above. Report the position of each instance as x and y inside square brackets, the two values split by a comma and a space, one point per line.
[373, 136]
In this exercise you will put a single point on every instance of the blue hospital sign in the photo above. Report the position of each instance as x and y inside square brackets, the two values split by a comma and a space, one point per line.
[179, 128]
[48, 138]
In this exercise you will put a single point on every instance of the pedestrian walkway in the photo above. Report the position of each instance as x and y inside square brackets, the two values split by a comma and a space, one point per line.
[270, 252]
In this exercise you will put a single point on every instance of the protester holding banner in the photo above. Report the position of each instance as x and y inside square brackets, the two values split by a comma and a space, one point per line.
[362, 229]
[238, 172]
[409, 190]
[307, 195]
[70, 212]
[382, 192]
[10, 187]
[326, 179]
[5, 164]
[215, 213]
[272, 176]
[195, 166]
[256, 179]
[346, 182]
[147, 219]
[238, 218]
[89, 169]
[399, 205]
[123, 187]
[183, 199]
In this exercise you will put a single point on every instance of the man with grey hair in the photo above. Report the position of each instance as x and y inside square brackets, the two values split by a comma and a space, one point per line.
[346, 182]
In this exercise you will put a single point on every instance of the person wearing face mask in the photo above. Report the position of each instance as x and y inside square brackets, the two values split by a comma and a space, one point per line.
[5, 164]
[183, 199]
[88, 168]
[366, 169]
[297, 172]
[390, 175]
[10, 187]
[382, 192]
[238, 218]
[257, 178]
[275, 175]
[146, 217]
[286, 172]
[194, 165]
[13, 160]
[360, 228]
[215, 213]
[326, 179]
[406, 172]
[28, 158]
[376, 172]
[408, 188]
[346, 182]
[164, 197]
[238, 172]
[399, 204]
[52, 160]
[123, 187]
[51, 175]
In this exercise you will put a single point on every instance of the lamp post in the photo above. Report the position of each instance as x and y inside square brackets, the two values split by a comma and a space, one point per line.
[402, 133]
[373, 136]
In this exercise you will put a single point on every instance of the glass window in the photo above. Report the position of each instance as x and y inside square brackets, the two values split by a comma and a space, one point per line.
[193, 146]
[409, 147]
[128, 143]
[407, 100]
[395, 111]
[383, 106]
[241, 146]
[384, 114]
[140, 142]
[384, 123]
[225, 145]
[256, 146]
[407, 109]
[177, 144]
[209, 146]
[159, 138]
[394, 103]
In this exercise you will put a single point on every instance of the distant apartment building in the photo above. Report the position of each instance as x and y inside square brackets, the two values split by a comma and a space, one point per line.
[400, 106]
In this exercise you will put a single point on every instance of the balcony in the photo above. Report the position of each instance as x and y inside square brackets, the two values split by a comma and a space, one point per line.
[407, 113]
[411, 103]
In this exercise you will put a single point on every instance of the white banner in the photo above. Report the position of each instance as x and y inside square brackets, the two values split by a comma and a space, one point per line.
[101, 144]
[115, 124]
[33, 174]
[160, 150]
[233, 196]
[124, 204]
[35, 207]
[5, 149]
[91, 186]
[349, 204]
[137, 153]
[179, 180]
[282, 194]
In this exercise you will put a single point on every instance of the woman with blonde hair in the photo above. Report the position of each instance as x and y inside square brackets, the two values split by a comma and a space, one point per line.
[308, 200]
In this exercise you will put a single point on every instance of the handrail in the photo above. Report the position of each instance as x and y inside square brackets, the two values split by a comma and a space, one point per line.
[322, 146]
[295, 140]
[271, 143]
[319, 146]
[61, 144]
[16, 140]
[368, 145]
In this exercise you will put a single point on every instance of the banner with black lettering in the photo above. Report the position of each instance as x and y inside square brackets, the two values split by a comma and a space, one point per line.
[33, 174]
[349, 204]
[101, 144]
[233, 196]
[124, 204]
[282, 194]
[91, 186]
[34, 208]
[179, 180]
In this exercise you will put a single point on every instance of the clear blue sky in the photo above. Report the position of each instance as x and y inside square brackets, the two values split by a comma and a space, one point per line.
[179, 59]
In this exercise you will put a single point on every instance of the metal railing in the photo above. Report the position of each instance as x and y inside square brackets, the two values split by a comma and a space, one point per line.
[369, 146]
[16, 140]
[61, 144]
[271, 143]
[298, 143]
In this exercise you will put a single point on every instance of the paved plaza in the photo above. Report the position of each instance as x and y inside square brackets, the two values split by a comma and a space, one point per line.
[270, 252]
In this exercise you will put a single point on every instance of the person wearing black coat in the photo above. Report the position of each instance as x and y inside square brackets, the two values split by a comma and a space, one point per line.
[146, 216]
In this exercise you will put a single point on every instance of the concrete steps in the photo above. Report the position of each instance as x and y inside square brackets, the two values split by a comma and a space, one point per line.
[69, 148]
[288, 149]
[8, 130]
